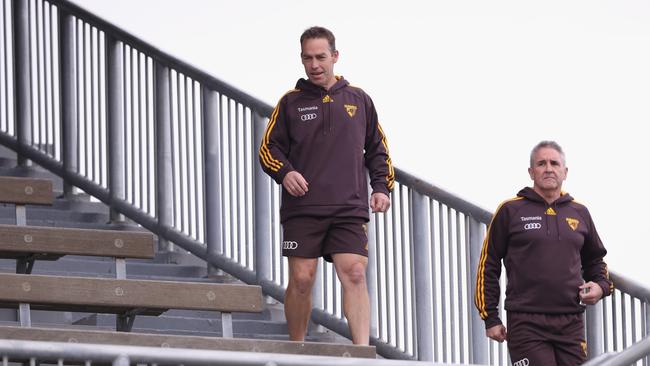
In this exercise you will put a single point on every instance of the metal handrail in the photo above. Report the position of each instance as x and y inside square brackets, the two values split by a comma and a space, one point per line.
[164, 58]
[128, 355]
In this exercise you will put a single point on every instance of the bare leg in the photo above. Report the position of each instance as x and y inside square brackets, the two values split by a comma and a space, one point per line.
[351, 270]
[297, 298]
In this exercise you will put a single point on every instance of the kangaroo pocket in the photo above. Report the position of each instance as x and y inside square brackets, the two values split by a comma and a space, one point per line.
[340, 184]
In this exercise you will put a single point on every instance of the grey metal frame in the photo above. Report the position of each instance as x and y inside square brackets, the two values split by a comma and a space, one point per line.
[91, 354]
[175, 150]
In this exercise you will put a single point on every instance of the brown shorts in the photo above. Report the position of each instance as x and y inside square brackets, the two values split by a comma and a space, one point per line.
[313, 237]
[546, 339]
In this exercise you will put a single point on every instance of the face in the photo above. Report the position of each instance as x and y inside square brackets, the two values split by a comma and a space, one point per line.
[319, 60]
[548, 171]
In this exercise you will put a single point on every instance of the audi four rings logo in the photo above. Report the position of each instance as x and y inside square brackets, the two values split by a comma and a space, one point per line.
[290, 245]
[532, 225]
[307, 117]
[522, 362]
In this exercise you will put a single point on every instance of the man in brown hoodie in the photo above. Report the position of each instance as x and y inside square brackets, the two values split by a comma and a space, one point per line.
[554, 265]
[322, 139]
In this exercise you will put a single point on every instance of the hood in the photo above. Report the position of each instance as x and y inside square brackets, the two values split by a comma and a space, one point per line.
[530, 194]
[308, 86]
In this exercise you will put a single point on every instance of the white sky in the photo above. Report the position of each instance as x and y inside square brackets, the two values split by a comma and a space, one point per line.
[464, 89]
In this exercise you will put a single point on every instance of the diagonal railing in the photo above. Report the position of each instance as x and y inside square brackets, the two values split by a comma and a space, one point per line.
[175, 150]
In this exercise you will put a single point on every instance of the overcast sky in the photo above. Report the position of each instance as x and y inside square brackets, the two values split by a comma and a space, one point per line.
[464, 89]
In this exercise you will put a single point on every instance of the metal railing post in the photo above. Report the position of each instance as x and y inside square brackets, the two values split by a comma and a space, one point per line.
[115, 119]
[594, 320]
[67, 79]
[422, 277]
[262, 205]
[22, 76]
[371, 275]
[164, 173]
[479, 342]
[212, 162]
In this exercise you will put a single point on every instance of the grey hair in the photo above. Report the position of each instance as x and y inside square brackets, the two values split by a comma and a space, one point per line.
[547, 143]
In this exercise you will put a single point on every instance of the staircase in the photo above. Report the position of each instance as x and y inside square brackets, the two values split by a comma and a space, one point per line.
[82, 212]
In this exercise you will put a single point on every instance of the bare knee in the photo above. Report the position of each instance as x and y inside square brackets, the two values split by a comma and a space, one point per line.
[355, 274]
[302, 282]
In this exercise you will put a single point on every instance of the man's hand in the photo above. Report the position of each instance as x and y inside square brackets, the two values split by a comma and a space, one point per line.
[497, 332]
[590, 293]
[295, 184]
[379, 202]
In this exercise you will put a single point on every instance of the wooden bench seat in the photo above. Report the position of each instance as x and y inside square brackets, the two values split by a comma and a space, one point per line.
[121, 294]
[24, 191]
[126, 297]
[52, 243]
[192, 342]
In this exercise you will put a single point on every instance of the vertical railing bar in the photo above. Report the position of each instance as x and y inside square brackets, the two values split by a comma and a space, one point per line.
[240, 257]
[148, 175]
[434, 277]
[407, 274]
[91, 156]
[443, 297]
[188, 184]
[605, 327]
[78, 93]
[461, 324]
[421, 277]
[389, 315]
[116, 122]
[87, 120]
[22, 75]
[46, 76]
[405, 313]
[38, 123]
[212, 171]
[142, 123]
[276, 264]
[414, 319]
[645, 325]
[125, 134]
[380, 274]
[231, 182]
[614, 322]
[68, 100]
[102, 111]
[633, 319]
[198, 175]
[624, 319]
[222, 174]
[173, 111]
[452, 288]
[248, 146]
[177, 151]
[135, 159]
[52, 103]
[163, 150]
[396, 274]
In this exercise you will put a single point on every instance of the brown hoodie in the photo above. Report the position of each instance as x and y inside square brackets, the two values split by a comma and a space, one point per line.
[330, 137]
[548, 251]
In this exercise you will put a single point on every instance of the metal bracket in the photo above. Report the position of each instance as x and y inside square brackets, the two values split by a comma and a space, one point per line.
[124, 321]
[25, 265]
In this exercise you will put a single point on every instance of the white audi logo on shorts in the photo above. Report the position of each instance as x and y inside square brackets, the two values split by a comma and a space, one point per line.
[307, 117]
[290, 245]
[523, 362]
[532, 225]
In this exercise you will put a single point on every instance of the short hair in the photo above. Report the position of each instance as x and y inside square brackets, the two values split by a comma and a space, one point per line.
[319, 32]
[547, 143]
